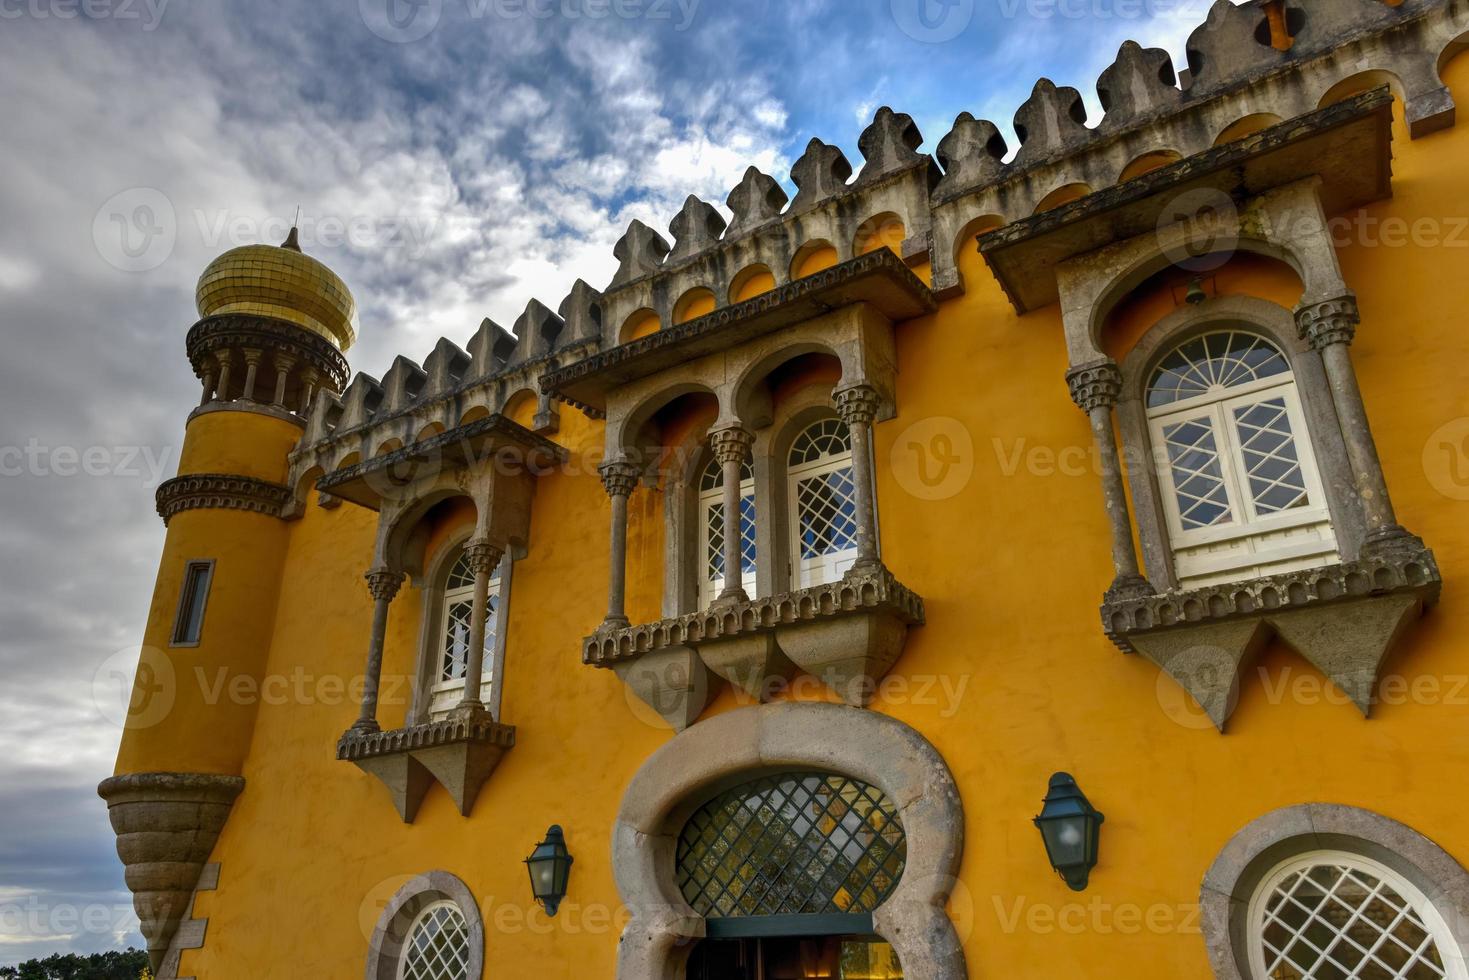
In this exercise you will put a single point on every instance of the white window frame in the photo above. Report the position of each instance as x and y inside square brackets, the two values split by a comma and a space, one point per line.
[1433, 920]
[418, 920]
[711, 502]
[1245, 526]
[445, 694]
[830, 566]
[198, 581]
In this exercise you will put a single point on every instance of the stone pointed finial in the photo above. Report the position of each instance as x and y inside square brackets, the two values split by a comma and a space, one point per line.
[293, 240]
[445, 367]
[1052, 121]
[822, 172]
[695, 228]
[402, 385]
[360, 401]
[757, 198]
[970, 155]
[890, 143]
[582, 311]
[490, 349]
[537, 332]
[639, 252]
[1228, 46]
[1138, 84]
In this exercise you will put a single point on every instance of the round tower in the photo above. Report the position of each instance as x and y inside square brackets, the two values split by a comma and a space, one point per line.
[273, 326]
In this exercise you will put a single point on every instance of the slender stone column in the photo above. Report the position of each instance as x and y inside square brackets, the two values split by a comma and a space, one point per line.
[731, 446]
[619, 478]
[224, 358]
[383, 583]
[1094, 389]
[309, 379]
[283, 365]
[209, 383]
[857, 406]
[252, 364]
[483, 558]
[1330, 326]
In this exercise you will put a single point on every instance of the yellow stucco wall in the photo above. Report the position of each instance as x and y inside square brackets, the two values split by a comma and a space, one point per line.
[1011, 678]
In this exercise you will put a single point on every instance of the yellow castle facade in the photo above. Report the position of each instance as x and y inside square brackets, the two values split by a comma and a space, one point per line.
[1100, 521]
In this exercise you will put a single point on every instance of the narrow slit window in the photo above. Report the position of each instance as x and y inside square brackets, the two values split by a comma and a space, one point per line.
[189, 624]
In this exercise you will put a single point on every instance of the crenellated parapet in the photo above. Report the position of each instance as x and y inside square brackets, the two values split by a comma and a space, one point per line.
[373, 417]
[1249, 66]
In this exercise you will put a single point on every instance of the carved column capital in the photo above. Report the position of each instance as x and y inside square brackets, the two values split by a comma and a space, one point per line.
[857, 404]
[482, 556]
[1095, 385]
[618, 478]
[384, 583]
[252, 355]
[224, 357]
[1331, 321]
[731, 444]
[282, 361]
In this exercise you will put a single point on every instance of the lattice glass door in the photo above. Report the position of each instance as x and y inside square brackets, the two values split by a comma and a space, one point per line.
[711, 531]
[453, 654]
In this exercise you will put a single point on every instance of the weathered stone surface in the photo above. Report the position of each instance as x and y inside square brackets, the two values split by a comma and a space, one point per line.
[640, 252]
[849, 655]
[1232, 43]
[695, 228]
[756, 200]
[673, 681]
[753, 664]
[1348, 643]
[820, 173]
[459, 753]
[582, 311]
[444, 368]
[1206, 661]
[537, 331]
[166, 826]
[971, 156]
[1051, 122]
[889, 144]
[1139, 84]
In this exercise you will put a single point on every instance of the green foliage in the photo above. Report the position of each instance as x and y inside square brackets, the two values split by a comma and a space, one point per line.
[130, 964]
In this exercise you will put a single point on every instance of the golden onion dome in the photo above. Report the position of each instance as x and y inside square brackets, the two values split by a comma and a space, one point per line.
[279, 281]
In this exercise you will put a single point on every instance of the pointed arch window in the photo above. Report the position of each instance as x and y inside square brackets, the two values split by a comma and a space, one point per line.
[453, 648]
[711, 530]
[1241, 490]
[823, 500]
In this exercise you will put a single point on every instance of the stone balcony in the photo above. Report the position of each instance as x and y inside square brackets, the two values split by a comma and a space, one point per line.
[1344, 619]
[458, 754]
[848, 634]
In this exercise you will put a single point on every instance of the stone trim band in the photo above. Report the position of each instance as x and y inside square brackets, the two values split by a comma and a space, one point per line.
[220, 491]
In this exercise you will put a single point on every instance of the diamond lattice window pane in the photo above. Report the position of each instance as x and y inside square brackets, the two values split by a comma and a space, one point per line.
[1198, 482]
[1338, 920]
[1214, 362]
[713, 476]
[1272, 465]
[714, 537]
[437, 947]
[454, 658]
[827, 508]
[792, 844]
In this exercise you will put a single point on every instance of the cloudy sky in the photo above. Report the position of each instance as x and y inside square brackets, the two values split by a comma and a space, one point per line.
[452, 159]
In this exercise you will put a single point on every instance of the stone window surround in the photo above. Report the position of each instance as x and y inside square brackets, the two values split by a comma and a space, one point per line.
[1277, 325]
[749, 742]
[386, 946]
[1265, 842]
[1287, 224]
[431, 584]
[771, 447]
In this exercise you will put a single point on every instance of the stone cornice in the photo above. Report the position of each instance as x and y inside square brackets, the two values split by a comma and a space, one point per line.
[881, 270]
[221, 491]
[867, 591]
[1416, 574]
[239, 331]
[358, 745]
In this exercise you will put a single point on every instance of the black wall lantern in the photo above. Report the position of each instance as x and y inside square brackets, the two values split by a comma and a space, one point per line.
[1070, 826]
[550, 866]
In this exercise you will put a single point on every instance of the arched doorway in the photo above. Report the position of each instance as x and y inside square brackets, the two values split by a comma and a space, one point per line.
[787, 869]
[791, 839]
